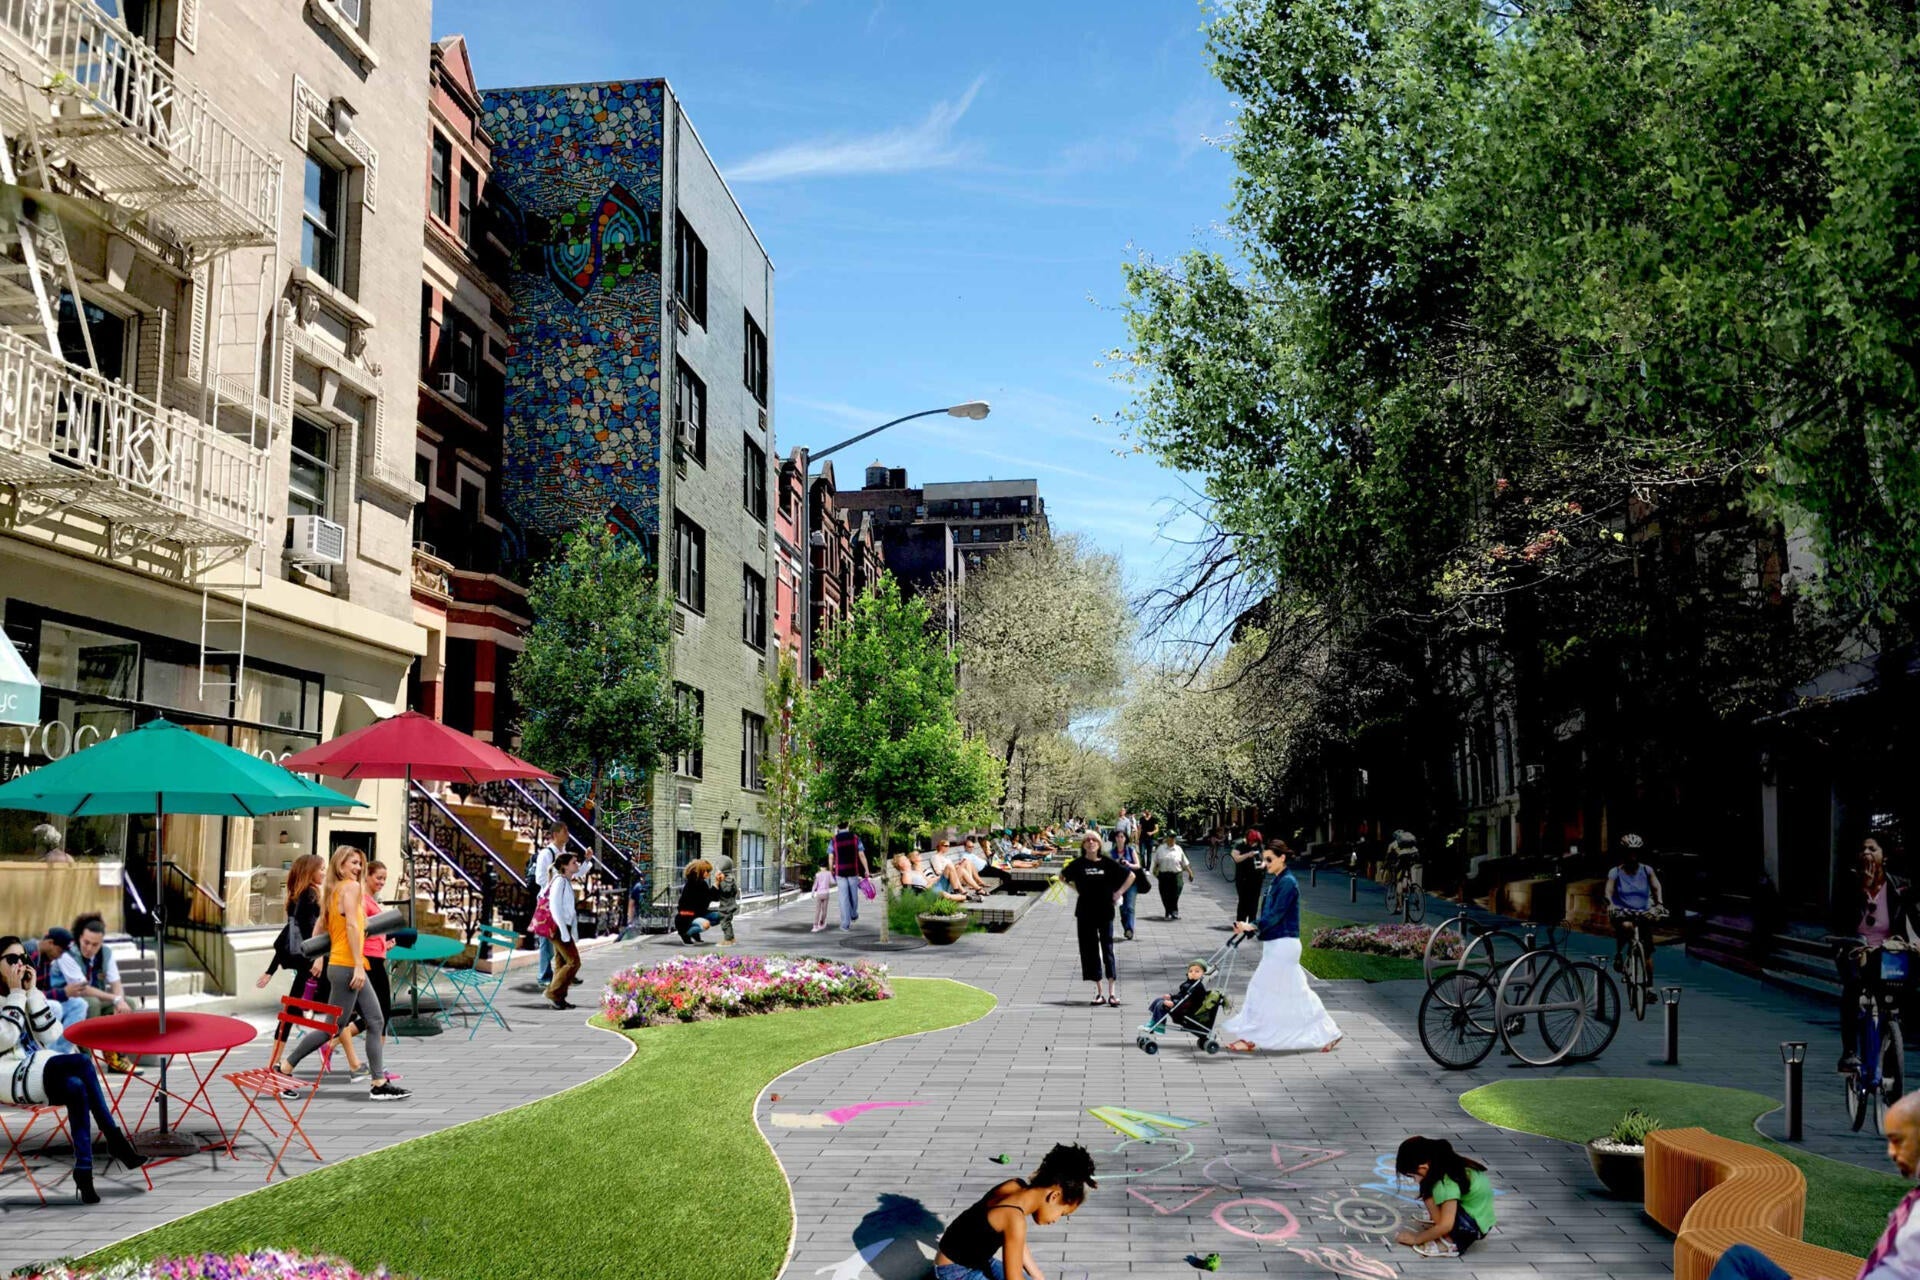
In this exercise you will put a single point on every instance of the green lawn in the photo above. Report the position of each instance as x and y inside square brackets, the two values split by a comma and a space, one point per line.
[1349, 964]
[1847, 1206]
[655, 1169]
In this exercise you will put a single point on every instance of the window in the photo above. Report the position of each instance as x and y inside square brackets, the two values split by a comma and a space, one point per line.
[976, 533]
[686, 851]
[753, 864]
[441, 187]
[786, 493]
[690, 411]
[469, 186]
[753, 750]
[426, 330]
[756, 361]
[753, 480]
[976, 508]
[310, 469]
[351, 10]
[321, 216]
[691, 702]
[690, 270]
[689, 563]
[753, 609]
[1023, 506]
[893, 512]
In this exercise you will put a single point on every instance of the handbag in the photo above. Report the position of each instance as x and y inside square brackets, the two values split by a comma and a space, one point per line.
[867, 889]
[542, 926]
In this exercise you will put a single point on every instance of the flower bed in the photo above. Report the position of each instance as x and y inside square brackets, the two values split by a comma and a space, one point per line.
[267, 1264]
[1408, 941]
[728, 986]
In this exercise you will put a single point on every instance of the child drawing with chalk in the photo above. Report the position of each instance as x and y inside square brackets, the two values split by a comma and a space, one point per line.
[1456, 1192]
[996, 1223]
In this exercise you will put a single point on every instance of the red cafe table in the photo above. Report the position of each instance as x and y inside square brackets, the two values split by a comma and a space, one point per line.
[138, 1035]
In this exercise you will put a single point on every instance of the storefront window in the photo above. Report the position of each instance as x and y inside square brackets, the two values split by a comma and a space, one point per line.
[88, 661]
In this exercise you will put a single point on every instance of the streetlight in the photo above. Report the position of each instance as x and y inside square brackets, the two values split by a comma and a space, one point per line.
[975, 410]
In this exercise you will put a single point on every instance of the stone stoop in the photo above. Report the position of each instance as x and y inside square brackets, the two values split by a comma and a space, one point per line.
[515, 848]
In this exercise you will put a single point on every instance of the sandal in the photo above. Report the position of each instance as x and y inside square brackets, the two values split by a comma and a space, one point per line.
[1242, 1046]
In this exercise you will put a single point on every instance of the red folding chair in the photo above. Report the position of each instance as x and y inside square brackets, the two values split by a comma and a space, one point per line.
[265, 1082]
[17, 1133]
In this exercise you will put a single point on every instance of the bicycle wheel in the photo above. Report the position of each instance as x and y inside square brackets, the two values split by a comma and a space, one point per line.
[1416, 906]
[1639, 985]
[1893, 1075]
[1540, 986]
[1602, 1001]
[1393, 898]
[1456, 1027]
[1435, 957]
[1856, 1101]
[1492, 952]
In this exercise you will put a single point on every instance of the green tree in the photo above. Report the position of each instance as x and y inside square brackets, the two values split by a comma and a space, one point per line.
[788, 769]
[595, 682]
[886, 740]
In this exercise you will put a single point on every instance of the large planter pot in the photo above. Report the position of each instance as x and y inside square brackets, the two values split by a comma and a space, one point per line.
[941, 930]
[1622, 1170]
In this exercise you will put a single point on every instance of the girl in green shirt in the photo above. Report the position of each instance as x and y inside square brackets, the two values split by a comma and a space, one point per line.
[1457, 1194]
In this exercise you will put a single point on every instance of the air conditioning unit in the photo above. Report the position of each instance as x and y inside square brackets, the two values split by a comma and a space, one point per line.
[763, 419]
[687, 436]
[454, 387]
[681, 316]
[316, 540]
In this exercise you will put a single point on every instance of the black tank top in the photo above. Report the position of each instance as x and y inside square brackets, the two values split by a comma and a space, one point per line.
[971, 1240]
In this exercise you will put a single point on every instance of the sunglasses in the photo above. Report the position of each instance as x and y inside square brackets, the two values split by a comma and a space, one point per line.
[13, 957]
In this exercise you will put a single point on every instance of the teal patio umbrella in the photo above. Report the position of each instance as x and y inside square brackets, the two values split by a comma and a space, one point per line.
[162, 768]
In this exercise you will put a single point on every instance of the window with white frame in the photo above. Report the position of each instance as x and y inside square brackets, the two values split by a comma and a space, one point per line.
[753, 609]
[692, 703]
[323, 215]
[753, 750]
[690, 412]
[310, 469]
[440, 189]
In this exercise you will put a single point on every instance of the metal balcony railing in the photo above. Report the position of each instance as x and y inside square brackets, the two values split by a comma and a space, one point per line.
[70, 435]
[140, 136]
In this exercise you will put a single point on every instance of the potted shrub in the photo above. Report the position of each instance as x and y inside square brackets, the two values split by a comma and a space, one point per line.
[943, 921]
[1619, 1159]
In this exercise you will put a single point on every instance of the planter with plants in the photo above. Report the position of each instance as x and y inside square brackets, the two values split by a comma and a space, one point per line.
[942, 921]
[1619, 1159]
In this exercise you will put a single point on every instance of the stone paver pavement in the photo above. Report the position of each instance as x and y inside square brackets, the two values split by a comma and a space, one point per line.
[1288, 1169]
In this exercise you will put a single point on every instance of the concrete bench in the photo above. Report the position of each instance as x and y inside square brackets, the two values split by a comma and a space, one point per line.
[999, 912]
[1714, 1193]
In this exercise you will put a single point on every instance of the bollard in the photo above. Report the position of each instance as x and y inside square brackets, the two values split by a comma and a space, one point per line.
[1794, 1054]
[1313, 876]
[1353, 886]
[1673, 1026]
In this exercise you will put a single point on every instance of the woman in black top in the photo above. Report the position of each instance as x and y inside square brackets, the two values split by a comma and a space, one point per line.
[1101, 883]
[996, 1223]
[303, 917]
[696, 910]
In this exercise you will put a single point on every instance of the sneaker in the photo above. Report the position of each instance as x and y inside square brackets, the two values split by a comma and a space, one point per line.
[1849, 1064]
[293, 1095]
[1441, 1248]
[388, 1091]
[361, 1076]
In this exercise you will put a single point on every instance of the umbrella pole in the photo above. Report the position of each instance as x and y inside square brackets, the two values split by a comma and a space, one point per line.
[166, 1142]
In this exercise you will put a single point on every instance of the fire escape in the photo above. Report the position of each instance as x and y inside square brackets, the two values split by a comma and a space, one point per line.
[100, 136]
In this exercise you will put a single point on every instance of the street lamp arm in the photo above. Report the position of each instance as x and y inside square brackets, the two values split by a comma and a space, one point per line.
[815, 455]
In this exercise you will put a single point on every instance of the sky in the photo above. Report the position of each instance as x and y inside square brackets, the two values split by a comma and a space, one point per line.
[948, 192]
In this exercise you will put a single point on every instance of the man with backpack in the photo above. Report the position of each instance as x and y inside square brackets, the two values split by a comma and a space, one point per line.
[848, 857]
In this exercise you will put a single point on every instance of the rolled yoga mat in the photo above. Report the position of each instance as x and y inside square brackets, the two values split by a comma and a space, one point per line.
[385, 922]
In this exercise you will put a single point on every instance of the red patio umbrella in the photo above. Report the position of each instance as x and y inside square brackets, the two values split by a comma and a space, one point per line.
[413, 746]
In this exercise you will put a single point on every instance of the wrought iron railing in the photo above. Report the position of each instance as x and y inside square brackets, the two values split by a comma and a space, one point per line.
[504, 893]
[455, 896]
[92, 60]
[128, 457]
[194, 912]
[533, 808]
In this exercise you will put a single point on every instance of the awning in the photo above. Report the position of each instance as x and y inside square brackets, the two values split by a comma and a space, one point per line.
[19, 691]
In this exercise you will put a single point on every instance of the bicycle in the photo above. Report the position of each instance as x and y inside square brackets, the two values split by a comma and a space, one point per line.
[1880, 1078]
[1636, 963]
[1404, 898]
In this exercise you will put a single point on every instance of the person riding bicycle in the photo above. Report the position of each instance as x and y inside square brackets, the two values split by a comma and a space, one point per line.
[1632, 891]
[1403, 851]
[1873, 908]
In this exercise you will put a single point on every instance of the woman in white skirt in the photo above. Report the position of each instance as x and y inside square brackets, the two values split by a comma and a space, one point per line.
[1280, 1010]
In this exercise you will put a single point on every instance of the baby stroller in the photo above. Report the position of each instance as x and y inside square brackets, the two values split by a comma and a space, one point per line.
[1196, 1016]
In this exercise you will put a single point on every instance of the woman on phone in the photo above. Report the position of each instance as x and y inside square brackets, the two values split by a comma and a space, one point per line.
[32, 1074]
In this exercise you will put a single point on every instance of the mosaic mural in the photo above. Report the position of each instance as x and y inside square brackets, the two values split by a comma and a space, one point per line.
[582, 442]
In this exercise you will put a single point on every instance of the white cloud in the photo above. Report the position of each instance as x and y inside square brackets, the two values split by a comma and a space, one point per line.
[927, 145]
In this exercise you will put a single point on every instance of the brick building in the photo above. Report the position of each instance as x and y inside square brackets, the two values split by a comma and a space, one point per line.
[639, 393]
[978, 516]
[465, 594]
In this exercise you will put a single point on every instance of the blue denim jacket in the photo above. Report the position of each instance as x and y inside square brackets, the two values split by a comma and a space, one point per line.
[1279, 915]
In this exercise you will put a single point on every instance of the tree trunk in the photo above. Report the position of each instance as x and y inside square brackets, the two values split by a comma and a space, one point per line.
[886, 892]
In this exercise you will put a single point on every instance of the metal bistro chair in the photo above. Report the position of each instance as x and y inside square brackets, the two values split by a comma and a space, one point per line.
[475, 991]
[274, 1086]
[17, 1135]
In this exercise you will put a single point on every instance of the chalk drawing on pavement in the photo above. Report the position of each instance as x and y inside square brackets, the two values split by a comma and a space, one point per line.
[1221, 1170]
[1141, 1124]
[1344, 1260]
[1256, 1218]
[1362, 1212]
[831, 1119]
[1172, 1192]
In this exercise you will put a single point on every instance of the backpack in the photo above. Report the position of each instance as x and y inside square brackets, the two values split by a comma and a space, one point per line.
[846, 853]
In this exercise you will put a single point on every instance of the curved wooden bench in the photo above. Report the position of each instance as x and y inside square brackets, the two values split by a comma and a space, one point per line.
[1714, 1193]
